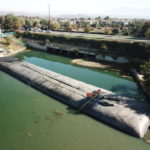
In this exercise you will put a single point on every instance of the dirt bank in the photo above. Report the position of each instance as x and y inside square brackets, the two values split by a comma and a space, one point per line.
[11, 45]
[91, 64]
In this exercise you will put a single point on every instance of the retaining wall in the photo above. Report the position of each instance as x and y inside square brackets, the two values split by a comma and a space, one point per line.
[84, 53]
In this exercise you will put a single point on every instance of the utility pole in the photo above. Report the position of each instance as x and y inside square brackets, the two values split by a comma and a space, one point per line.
[49, 18]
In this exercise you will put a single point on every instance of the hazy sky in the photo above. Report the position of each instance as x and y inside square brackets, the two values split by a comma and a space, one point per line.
[132, 8]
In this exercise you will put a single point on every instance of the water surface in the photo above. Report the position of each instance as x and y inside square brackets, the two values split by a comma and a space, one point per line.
[107, 80]
[28, 122]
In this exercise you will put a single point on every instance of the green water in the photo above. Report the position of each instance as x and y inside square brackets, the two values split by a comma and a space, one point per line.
[28, 121]
[25, 125]
[107, 80]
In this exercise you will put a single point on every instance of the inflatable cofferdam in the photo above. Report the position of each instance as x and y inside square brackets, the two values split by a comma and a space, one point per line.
[128, 115]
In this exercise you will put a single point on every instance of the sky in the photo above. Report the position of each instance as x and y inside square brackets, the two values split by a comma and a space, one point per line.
[125, 8]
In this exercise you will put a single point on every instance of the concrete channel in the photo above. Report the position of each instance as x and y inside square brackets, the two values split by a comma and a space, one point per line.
[126, 114]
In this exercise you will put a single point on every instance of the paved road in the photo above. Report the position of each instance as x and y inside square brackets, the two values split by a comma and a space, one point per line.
[101, 36]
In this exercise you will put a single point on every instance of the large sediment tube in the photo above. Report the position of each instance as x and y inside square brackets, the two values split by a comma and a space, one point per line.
[128, 115]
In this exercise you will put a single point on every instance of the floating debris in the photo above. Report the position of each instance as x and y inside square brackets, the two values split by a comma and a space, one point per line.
[28, 134]
[147, 140]
[48, 117]
[58, 112]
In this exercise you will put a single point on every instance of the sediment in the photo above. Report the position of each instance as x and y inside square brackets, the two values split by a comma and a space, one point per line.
[126, 114]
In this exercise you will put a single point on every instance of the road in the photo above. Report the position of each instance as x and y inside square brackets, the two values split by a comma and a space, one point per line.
[101, 36]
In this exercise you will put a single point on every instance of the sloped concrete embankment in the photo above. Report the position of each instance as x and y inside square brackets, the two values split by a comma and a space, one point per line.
[128, 115]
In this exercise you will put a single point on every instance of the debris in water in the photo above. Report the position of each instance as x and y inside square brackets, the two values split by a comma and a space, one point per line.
[28, 134]
[48, 117]
[146, 139]
[58, 112]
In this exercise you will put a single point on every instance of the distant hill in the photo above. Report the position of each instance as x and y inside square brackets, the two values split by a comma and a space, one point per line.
[56, 14]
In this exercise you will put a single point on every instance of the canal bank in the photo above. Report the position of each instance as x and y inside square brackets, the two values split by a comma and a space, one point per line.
[74, 51]
[126, 114]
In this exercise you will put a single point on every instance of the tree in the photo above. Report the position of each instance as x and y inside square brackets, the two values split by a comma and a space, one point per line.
[107, 30]
[95, 25]
[98, 18]
[36, 24]
[116, 31]
[145, 29]
[147, 34]
[69, 27]
[107, 18]
[125, 31]
[1, 21]
[17, 23]
[135, 28]
[9, 21]
[146, 70]
[55, 26]
[28, 23]
[87, 29]
[44, 23]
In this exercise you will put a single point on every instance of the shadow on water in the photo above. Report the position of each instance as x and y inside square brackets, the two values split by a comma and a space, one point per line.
[73, 111]
[125, 90]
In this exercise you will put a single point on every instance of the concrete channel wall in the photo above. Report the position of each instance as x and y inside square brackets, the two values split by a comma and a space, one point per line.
[78, 53]
[128, 115]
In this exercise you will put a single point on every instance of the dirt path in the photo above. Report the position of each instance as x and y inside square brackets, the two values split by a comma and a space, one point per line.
[12, 52]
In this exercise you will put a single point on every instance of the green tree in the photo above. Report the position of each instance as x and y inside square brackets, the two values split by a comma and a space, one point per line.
[36, 24]
[125, 31]
[1, 21]
[9, 21]
[116, 31]
[145, 28]
[107, 30]
[44, 23]
[107, 18]
[28, 23]
[69, 27]
[87, 29]
[146, 70]
[55, 26]
[147, 34]
[135, 28]
[22, 20]
[98, 18]
[17, 24]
